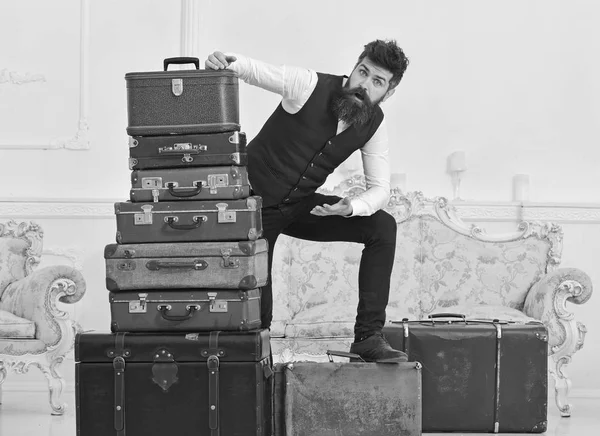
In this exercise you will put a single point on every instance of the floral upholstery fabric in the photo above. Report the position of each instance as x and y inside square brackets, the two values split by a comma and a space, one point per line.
[12, 261]
[436, 269]
[12, 326]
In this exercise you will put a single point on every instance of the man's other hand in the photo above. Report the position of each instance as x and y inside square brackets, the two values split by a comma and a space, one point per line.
[342, 208]
[218, 61]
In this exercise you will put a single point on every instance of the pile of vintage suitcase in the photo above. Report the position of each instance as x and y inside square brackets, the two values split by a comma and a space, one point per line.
[187, 355]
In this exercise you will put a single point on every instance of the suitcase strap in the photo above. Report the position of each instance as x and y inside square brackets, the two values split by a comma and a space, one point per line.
[119, 367]
[213, 384]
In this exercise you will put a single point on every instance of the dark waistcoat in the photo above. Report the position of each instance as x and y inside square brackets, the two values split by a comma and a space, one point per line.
[293, 154]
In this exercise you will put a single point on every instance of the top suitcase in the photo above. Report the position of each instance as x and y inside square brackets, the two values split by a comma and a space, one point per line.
[182, 101]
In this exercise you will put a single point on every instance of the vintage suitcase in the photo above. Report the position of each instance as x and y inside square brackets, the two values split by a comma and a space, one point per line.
[349, 399]
[205, 183]
[478, 375]
[182, 101]
[182, 151]
[189, 310]
[173, 384]
[226, 265]
[189, 221]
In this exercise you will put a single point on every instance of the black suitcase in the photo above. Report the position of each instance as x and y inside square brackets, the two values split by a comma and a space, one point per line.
[173, 384]
[181, 151]
[478, 375]
[203, 183]
[225, 265]
[197, 310]
[189, 221]
[182, 101]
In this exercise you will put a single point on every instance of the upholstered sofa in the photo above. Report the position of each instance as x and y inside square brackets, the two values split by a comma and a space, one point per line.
[33, 328]
[441, 265]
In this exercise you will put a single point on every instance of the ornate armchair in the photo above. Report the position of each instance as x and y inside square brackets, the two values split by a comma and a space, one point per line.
[441, 265]
[33, 329]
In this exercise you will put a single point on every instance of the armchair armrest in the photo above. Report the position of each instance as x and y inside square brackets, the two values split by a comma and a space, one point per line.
[35, 296]
[547, 301]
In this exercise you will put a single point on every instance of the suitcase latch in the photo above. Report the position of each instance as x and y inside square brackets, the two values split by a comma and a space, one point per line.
[216, 181]
[227, 261]
[177, 87]
[139, 306]
[224, 215]
[133, 142]
[164, 369]
[144, 218]
[218, 306]
[152, 182]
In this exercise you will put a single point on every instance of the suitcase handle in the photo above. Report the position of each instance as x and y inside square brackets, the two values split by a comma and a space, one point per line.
[184, 192]
[433, 316]
[172, 222]
[164, 309]
[155, 265]
[181, 60]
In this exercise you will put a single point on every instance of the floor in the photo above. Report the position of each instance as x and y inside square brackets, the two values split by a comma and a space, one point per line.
[28, 414]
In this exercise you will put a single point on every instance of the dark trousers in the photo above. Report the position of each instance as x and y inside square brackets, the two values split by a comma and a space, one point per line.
[377, 232]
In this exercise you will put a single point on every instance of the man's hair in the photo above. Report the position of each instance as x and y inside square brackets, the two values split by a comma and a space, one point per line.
[388, 55]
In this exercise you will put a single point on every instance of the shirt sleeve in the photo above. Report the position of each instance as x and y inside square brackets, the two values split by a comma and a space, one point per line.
[377, 175]
[294, 84]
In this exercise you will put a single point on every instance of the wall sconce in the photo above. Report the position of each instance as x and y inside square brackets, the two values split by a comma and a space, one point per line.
[457, 164]
[398, 183]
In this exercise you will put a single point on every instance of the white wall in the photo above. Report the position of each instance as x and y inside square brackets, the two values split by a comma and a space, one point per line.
[512, 83]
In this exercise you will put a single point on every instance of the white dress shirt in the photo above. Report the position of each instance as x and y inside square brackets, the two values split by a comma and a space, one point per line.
[296, 85]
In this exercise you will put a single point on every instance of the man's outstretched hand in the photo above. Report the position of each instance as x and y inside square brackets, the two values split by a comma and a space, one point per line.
[342, 208]
[218, 61]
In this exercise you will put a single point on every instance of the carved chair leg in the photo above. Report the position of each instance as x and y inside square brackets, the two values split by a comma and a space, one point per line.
[562, 384]
[56, 385]
[2, 378]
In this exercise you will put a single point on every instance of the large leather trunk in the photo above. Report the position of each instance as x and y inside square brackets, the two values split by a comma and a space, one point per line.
[189, 221]
[350, 399]
[173, 384]
[177, 184]
[182, 151]
[196, 310]
[478, 375]
[227, 265]
[182, 101]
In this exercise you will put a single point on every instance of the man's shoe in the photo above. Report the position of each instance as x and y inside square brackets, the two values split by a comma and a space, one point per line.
[376, 348]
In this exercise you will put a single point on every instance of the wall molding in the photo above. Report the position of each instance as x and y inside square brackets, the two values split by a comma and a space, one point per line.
[79, 141]
[63, 208]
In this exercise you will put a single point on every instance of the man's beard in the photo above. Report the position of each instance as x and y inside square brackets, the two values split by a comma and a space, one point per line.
[352, 110]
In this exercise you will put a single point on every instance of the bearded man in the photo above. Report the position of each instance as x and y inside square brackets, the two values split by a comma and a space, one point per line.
[321, 120]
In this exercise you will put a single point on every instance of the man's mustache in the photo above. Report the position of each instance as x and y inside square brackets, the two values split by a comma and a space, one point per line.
[358, 91]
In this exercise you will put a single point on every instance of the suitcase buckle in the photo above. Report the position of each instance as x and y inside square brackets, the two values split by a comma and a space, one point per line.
[216, 306]
[224, 215]
[144, 218]
[216, 181]
[140, 305]
[177, 87]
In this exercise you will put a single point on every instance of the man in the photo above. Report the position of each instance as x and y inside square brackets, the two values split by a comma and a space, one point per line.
[321, 121]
